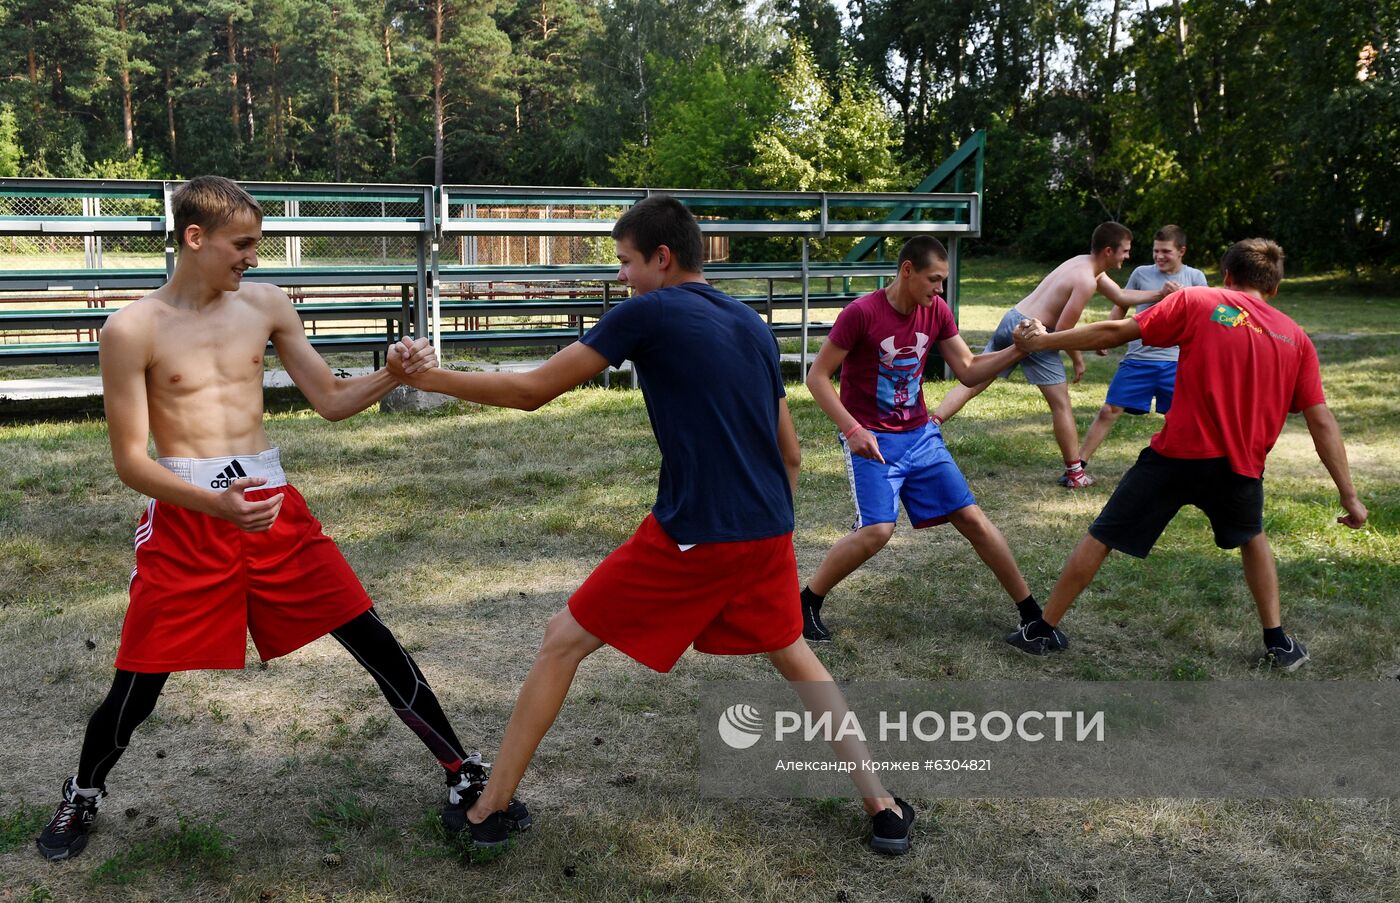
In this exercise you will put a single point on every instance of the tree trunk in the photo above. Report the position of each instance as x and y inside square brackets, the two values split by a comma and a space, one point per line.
[33, 71]
[1190, 83]
[393, 112]
[279, 149]
[124, 78]
[1113, 28]
[438, 14]
[233, 82]
[335, 97]
[248, 97]
[170, 113]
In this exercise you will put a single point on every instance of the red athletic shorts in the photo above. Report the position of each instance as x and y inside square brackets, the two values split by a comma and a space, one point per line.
[201, 585]
[651, 600]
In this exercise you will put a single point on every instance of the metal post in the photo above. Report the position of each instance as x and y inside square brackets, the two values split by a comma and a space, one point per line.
[420, 288]
[806, 310]
[170, 236]
[769, 309]
[951, 290]
[434, 274]
[607, 295]
[88, 261]
[291, 209]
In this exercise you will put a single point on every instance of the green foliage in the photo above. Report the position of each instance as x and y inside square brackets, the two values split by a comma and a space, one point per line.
[200, 851]
[20, 827]
[706, 119]
[824, 139]
[1228, 118]
[10, 152]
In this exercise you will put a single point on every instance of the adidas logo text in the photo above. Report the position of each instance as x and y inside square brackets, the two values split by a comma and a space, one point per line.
[226, 477]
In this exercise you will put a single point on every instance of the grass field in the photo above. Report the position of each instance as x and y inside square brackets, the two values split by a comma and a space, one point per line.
[471, 526]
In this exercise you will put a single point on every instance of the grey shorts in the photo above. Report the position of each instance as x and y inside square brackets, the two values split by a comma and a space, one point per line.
[1042, 368]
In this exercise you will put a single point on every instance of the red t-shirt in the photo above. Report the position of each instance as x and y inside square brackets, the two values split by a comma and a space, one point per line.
[1244, 368]
[882, 377]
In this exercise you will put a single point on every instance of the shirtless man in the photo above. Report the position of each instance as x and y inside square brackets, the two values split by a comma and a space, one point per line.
[1060, 299]
[226, 544]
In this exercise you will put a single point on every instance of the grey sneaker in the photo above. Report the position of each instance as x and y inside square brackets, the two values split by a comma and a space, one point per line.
[1288, 658]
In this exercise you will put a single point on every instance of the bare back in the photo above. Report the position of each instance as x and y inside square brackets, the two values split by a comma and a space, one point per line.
[1075, 278]
[204, 369]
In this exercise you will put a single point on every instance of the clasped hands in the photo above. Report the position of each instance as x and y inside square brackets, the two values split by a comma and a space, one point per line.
[1028, 333]
[409, 359]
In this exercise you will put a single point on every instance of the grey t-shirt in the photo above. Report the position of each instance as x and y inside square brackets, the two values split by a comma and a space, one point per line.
[1150, 279]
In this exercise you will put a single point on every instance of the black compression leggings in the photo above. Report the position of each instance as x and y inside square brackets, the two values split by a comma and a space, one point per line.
[133, 697]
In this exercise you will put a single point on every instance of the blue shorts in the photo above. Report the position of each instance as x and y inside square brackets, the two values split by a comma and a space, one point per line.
[918, 471]
[1137, 382]
[1042, 368]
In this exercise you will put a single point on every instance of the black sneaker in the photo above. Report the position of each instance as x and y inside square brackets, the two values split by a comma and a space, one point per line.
[67, 831]
[1039, 645]
[491, 834]
[1288, 658]
[812, 627]
[463, 788]
[890, 830]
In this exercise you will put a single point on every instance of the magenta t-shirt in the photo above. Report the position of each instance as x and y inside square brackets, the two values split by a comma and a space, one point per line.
[882, 377]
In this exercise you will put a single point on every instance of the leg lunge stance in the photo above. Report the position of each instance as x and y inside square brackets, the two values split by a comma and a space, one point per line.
[713, 565]
[1211, 450]
[894, 451]
[226, 545]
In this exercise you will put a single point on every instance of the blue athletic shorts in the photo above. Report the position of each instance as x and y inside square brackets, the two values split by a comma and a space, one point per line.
[918, 471]
[1137, 382]
[1042, 368]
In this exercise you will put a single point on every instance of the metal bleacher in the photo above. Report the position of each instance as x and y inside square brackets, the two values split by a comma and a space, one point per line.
[52, 313]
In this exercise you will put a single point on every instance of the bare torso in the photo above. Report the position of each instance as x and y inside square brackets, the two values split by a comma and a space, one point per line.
[204, 371]
[1048, 299]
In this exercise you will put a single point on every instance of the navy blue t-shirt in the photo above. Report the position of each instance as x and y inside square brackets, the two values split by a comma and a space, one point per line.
[708, 368]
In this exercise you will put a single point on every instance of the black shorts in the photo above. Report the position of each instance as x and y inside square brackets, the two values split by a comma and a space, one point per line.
[1157, 487]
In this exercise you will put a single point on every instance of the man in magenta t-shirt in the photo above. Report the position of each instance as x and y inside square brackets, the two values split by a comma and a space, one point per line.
[894, 452]
[1244, 368]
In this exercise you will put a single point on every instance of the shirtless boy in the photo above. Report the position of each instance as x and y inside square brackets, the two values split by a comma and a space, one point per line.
[1059, 299]
[1145, 373]
[226, 545]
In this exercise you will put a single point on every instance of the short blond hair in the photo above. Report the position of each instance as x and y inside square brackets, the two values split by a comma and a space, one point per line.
[1254, 263]
[210, 202]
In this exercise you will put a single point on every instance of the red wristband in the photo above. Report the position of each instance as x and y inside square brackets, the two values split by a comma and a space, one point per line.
[850, 432]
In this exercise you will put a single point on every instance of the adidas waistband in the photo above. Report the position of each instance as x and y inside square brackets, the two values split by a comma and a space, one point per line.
[218, 473]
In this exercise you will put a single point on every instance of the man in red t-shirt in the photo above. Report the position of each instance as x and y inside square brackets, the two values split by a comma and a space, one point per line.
[1244, 368]
[894, 451]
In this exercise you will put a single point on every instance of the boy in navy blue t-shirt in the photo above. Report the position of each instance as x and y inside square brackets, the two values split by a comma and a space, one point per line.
[712, 565]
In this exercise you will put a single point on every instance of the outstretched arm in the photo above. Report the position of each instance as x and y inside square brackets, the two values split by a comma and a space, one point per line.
[1327, 439]
[975, 369]
[527, 391]
[333, 397]
[1131, 297]
[1031, 336]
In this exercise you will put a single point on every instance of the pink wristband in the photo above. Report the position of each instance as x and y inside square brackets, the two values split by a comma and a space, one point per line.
[850, 432]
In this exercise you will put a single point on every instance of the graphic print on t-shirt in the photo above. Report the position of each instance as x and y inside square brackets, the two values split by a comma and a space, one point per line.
[900, 368]
[1226, 315]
